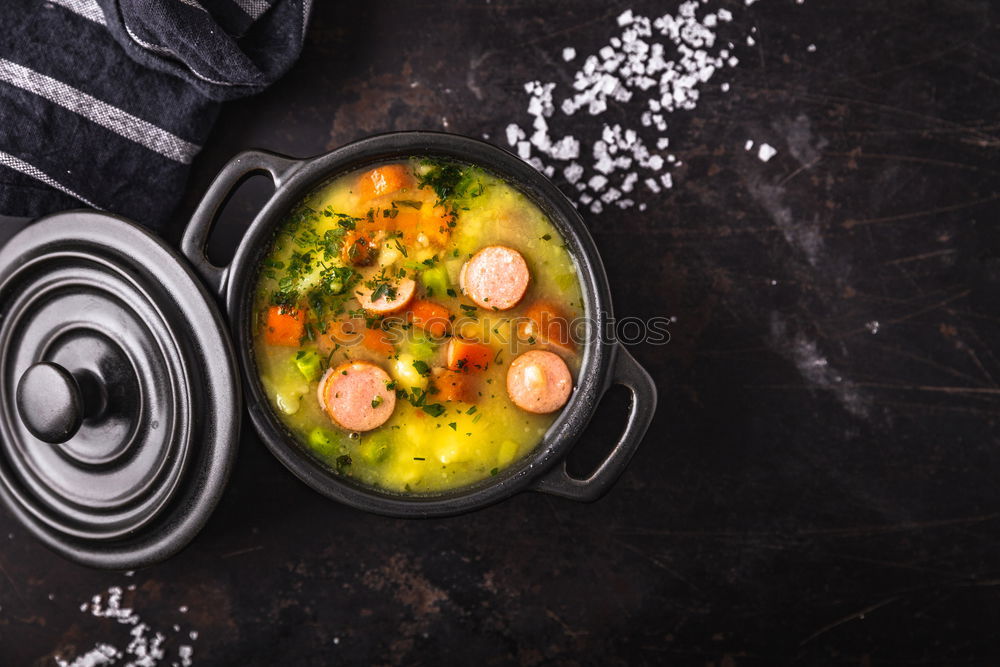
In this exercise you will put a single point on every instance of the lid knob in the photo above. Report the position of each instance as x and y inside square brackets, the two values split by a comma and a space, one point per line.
[53, 402]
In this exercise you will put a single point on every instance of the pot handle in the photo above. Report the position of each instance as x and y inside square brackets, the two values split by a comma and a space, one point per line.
[629, 373]
[241, 167]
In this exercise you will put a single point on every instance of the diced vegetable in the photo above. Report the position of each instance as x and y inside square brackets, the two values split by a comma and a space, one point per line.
[377, 341]
[454, 269]
[358, 249]
[432, 317]
[454, 386]
[288, 401]
[421, 348]
[435, 281]
[375, 449]
[309, 364]
[467, 356]
[383, 180]
[546, 324]
[322, 442]
[565, 281]
[406, 374]
[285, 326]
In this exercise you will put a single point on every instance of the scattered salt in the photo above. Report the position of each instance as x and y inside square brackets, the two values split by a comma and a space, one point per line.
[650, 68]
[146, 647]
[811, 48]
[748, 145]
[766, 152]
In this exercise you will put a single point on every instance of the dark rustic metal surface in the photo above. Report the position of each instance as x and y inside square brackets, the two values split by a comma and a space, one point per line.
[811, 490]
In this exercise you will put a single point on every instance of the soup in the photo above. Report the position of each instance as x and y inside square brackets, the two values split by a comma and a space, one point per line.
[413, 325]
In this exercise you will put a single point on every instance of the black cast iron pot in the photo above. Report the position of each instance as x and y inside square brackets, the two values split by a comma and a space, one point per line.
[120, 395]
[605, 362]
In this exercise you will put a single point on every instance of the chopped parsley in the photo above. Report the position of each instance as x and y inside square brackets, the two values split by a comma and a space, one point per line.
[418, 399]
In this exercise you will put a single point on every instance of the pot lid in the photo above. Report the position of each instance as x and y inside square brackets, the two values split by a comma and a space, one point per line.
[119, 396]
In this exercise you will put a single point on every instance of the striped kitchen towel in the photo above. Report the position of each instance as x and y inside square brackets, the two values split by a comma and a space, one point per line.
[104, 103]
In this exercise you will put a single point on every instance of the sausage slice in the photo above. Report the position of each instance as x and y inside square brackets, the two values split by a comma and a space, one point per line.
[539, 381]
[355, 395]
[401, 295]
[496, 277]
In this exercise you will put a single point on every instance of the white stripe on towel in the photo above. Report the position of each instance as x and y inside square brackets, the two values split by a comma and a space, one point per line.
[20, 165]
[164, 51]
[88, 9]
[253, 8]
[306, 7]
[106, 115]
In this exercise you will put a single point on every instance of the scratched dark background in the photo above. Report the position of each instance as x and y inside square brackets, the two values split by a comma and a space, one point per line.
[820, 484]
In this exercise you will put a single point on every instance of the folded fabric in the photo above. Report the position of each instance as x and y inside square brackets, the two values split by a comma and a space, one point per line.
[104, 103]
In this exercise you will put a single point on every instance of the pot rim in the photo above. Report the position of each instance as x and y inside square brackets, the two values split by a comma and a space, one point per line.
[302, 177]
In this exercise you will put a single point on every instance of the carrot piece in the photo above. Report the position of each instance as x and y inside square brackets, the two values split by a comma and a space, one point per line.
[377, 341]
[467, 356]
[454, 386]
[547, 324]
[435, 224]
[352, 331]
[358, 249]
[284, 326]
[432, 317]
[383, 180]
[342, 333]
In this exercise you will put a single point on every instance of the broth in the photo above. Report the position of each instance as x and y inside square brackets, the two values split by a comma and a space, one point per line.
[329, 308]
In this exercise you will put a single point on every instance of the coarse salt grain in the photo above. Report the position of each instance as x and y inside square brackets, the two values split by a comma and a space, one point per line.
[145, 647]
[766, 152]
[649, 69]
